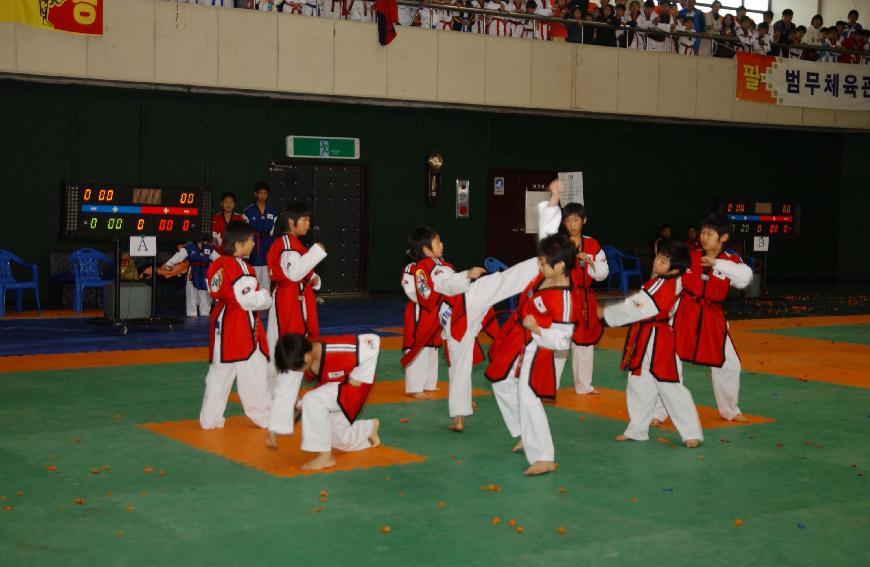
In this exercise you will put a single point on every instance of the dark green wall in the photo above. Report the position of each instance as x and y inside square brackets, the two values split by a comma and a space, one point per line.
[637, 175]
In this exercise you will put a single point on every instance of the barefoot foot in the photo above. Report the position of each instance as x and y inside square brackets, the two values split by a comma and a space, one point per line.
[419, 396]
[692, 443]
[518, 447]
[655, 423]
[321, 461]
[740, 418]
[374, 439]
[473, 405]
[622, 438]
[458, 424]
[592, 392]
[540, 467]
[271, 439]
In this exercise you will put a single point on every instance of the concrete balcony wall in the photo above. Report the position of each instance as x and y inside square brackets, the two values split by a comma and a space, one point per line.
[166, 43]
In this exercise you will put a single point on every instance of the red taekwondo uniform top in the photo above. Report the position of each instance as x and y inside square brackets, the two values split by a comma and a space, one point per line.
[548, 306]
[235, 331]
[341, 357]
[699, 323]
[654, 332]
[295, 304]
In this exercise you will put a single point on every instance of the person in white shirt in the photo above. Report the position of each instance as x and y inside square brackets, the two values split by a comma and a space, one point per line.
[761, 41]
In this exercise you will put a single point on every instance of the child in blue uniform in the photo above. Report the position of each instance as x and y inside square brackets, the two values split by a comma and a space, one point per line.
[199, 256]
[262, 217]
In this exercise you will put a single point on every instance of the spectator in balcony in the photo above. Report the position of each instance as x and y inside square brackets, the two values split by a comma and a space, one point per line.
[851, 25]
[686, 45]
[582, 4]
[727, 31]
[713, 21]
[497, 25]
[761, 43]
[630, 21]
[290, 6]
[463, 21]
[619, 13]
[857, 41]
[767, 18]
[794, 39]
[828, 42]
[782, 31]
[738, 15]
[605, 36]
[445, 17]
[573, 27]
[698, 20]
[216, 3]
[814, 32]
[516, 26]
[745, 35]
[529, 29]
[558, 32]
[649, 20]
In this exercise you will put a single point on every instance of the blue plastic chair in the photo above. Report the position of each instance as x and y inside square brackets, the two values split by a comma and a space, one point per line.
[8, 281]
[86, 272]
[493, 266]
[622, 266]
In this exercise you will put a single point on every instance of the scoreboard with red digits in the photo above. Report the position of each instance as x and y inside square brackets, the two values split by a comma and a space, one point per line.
[765, 218]
[116, 210]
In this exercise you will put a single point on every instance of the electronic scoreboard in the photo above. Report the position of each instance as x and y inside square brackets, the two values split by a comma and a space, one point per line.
[764, 218]
[107, 210]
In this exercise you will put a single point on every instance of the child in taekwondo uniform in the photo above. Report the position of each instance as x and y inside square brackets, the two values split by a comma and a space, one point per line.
[591, 266]
[465, 309]
[344, 368]
[654, 371]
[237, 343]
[294, 308]
[522, 359]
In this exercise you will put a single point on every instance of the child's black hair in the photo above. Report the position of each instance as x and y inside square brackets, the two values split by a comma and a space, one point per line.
[229, 194]
[261, 185]
[290, 352]
[677, 253]
[558, 248]
[718, 222]
[574, 209]
[802, 28]
[420, 237]
[235, 232]
[294, 210]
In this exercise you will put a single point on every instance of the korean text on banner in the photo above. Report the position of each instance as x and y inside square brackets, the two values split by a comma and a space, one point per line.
[74, 16]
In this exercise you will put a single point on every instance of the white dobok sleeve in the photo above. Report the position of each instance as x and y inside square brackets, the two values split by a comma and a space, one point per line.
[556, 337]
[176, 259]
[296, 266]
[369, 346]
[739, 273]
[599, 270]
[408, 285]
[633, 308]
[249, 297]
[549, 219]
[214, 255]
[449, 282]
[319, 281]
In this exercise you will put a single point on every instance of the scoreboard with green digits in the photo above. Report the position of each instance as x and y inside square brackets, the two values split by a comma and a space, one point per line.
[764, 218]
[111, 210]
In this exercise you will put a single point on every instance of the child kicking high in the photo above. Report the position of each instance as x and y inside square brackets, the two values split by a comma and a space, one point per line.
[591, 266]
[654, 371]
[465, 307]
[344, 368]
[294, 309]
[237, 343]
[522, 359]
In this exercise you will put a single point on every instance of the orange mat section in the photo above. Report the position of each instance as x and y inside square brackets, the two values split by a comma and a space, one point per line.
[393, 392]
[800, 358]
[32, 363]
[611, 404]
[242, 442]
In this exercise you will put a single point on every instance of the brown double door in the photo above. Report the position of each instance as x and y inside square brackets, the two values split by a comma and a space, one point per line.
[506, 237]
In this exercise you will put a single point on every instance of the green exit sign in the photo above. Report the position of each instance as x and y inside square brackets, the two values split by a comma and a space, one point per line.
[327, 148]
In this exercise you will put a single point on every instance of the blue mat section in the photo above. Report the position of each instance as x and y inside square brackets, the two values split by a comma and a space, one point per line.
[56, 336]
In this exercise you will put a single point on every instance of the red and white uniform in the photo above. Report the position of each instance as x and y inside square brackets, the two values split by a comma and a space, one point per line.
[654, 371]
[331, 408]
[218, 224]
[523, 366]
[294, 310]
[237, 343]
[421, 313]
[463, 314]
[700, 326]
[588, 328]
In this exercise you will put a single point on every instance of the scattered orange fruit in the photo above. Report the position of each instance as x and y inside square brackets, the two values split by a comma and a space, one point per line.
[2, 498]
[143, 493]
[7, 508]
[496, 521]
[441, 504]
[119, 533]
[512, 522]
[19, 493]
[79, 501]
[77, 439]
[324, 499]
[404, 420]
[148, 470]
[108, 493]
[324, 494]
[491, 487]
[563, 490]
[633, 499]
[105, 467]
[520, 530]
[128, 508]
[385, 529]
[581, 418]
[561, 530]
[162, 473]
[95, 471]
[738, 522]
[50, 468]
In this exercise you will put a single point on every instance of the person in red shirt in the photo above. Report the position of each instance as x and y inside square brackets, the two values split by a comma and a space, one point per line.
[857, 42]
[237, 342]
[220, 220]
